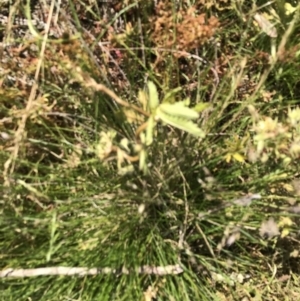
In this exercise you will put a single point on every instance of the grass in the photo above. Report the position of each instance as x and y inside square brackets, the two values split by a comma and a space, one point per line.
[76, 191]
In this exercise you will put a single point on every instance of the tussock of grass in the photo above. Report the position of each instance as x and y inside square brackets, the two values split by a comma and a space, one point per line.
[224, 207]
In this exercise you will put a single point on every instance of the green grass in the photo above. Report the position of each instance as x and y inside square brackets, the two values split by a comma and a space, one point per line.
[66, 204]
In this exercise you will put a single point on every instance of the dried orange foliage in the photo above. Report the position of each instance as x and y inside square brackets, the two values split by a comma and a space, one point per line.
[183, 30]
[288, 55]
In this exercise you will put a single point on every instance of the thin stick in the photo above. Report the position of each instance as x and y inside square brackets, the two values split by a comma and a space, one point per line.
[70, 271]
[99, 87]
[206, 241]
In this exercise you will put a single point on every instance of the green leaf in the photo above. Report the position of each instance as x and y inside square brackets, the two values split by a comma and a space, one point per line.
[149, 131]
[153, 96]
[238, 157]
[171, 94]
[143, 161]
[143, 156]
[289, 9]
[228, 157]
[32, 30]
[179, 110]
[187, 102]
[180, 123]
[201, 106]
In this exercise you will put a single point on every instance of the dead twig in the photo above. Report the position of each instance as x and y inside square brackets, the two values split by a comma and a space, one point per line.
[83, 271]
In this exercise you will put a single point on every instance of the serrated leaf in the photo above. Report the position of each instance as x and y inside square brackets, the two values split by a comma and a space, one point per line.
[153, 96]
[180, 123]
[178, 110]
